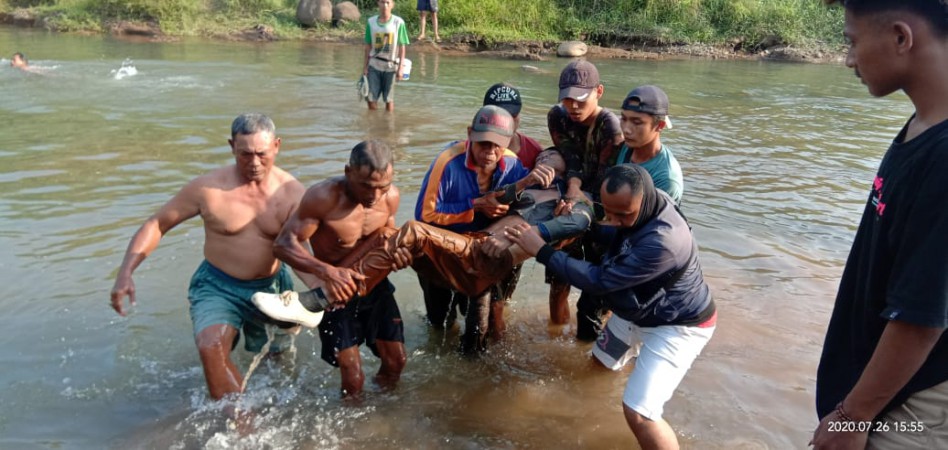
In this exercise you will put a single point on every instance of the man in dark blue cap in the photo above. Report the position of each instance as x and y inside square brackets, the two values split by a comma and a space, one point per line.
[644, 116]
[508, 97]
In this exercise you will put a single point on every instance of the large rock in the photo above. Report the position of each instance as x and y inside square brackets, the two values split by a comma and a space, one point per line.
[311, 12]
[345, 12]
[572, 49]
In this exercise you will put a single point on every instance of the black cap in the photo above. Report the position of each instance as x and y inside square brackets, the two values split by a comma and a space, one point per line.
[578, 79]
[647, 99]
[504, 96]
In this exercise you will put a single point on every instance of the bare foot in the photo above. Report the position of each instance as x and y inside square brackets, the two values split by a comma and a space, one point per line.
[239, 420]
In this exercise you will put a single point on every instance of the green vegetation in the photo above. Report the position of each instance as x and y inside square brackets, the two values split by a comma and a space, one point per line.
[795, 22]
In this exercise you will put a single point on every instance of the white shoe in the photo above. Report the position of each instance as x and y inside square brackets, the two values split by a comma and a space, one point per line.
[286, 307]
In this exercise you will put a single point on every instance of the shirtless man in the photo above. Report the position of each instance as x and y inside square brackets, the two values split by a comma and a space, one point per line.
[244, 206]
[335, 216]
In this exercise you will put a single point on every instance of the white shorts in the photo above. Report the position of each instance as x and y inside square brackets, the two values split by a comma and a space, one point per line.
[663, 356]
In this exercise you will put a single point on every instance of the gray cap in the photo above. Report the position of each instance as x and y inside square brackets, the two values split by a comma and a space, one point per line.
[492, 124]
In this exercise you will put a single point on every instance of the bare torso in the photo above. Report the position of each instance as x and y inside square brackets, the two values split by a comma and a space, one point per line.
[241, 220]
[344, 224]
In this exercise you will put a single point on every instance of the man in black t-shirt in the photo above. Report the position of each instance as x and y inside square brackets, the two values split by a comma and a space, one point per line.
[883, 375]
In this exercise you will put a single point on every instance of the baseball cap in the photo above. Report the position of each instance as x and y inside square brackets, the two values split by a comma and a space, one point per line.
[504, 96]
[578, 79]
[492, 124]
[647, 99]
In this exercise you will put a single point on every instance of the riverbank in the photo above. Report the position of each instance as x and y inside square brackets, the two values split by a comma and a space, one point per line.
[655, 43]
[519, 50]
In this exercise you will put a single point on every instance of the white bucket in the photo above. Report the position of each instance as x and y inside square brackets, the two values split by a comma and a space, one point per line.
[406, 69]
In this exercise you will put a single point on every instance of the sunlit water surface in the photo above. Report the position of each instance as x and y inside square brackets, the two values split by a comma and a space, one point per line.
[777, 160]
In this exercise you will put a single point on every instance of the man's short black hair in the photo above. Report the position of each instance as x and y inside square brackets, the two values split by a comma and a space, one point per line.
[374, 154]
[626, 174]
[22, 56]
[934, 11]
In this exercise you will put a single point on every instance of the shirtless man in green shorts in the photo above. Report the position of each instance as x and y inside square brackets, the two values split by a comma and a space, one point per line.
[243, 207]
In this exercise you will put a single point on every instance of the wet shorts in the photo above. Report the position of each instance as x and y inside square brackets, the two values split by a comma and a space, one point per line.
[364, 319]
[218, 298]
[427, 5]
[662, 355]
[381, 85]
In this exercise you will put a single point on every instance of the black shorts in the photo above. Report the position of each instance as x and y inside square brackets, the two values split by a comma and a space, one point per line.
[364, 319]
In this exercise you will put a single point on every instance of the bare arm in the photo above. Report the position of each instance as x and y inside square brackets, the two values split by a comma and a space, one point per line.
[308, 279]
[901, 351]
[290, 245]
[183, 206]
[401, 60]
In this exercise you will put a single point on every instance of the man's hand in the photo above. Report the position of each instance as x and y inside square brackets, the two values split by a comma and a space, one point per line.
[402, 259]
[573, 195]
[496, 245]
[541, 174]
[526, 237]
[398, 74]
[341, 282]
[489, 206]
[124, 286]
[824, 439]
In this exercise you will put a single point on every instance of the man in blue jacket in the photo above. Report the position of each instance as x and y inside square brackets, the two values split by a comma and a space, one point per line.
[649, 276]
[470, 185]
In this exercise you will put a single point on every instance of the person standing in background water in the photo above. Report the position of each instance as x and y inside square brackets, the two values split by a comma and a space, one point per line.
[385, 41]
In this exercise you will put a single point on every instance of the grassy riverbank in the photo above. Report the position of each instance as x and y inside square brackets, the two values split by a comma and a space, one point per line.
[748, 25]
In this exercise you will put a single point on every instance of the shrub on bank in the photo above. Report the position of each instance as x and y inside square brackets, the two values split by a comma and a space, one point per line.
[744, 22]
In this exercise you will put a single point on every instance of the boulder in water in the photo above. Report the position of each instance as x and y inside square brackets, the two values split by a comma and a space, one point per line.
[572, 49]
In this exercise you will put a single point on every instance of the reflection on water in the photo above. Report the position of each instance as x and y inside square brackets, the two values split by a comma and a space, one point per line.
[777, 161]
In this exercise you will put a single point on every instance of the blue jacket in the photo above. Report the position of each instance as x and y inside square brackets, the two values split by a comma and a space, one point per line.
[450, 187]
[649, 276]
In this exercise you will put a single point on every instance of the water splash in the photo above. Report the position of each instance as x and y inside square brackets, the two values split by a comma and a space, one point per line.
[127, 70]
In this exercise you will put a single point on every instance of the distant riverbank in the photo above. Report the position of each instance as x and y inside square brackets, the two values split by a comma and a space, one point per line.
[796, 30]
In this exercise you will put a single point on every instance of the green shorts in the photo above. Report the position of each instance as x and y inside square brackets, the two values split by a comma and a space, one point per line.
[218, 298]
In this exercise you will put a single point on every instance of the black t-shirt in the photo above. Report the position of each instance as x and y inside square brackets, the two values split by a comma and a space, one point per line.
[897, 269]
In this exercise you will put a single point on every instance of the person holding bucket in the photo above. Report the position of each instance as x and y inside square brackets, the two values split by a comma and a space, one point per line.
[385, 41]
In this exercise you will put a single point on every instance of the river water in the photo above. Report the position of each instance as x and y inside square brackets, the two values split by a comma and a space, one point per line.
[778, 160]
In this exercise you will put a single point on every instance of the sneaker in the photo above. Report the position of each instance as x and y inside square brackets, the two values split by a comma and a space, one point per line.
[286, 307]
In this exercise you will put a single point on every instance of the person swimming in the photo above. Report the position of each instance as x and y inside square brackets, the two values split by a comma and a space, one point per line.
[19, 61]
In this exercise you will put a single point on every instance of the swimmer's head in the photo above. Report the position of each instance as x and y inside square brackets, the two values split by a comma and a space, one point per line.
[18, 60]
[369, 173]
